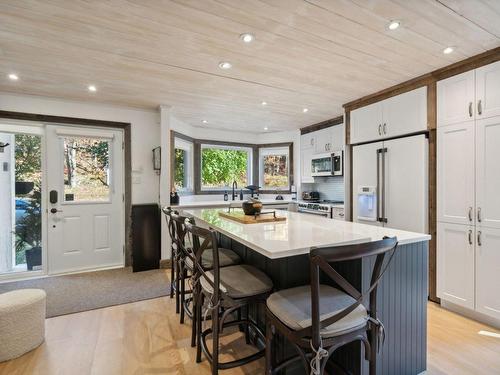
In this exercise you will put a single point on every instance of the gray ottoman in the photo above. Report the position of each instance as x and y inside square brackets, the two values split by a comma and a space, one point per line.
[22, 322]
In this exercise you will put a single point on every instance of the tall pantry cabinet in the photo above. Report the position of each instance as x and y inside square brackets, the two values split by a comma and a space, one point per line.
[468, 189]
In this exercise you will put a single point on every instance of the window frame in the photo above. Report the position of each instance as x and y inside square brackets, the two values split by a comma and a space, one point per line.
[250, 170]
[254, 175]
[188, 146]
[274, 150]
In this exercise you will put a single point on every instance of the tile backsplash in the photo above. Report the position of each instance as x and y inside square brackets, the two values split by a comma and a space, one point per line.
[328, 187]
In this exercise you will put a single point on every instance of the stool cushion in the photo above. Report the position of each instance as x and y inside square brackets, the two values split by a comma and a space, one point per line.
[22, 322]
[293, 307]
[227, 257]
[240, 281]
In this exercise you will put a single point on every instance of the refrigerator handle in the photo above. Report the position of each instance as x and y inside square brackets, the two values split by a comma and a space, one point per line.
[383, 219]
[378, 185]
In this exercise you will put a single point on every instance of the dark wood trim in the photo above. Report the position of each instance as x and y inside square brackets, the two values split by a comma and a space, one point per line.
[61, 119]
[470, 63]
[322, 125]
[127, 139]
[432, 185]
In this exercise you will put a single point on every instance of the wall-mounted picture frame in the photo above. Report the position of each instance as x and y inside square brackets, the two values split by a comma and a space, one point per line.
[157, 158]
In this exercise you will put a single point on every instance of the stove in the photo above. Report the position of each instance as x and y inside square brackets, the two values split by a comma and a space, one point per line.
[322, 208]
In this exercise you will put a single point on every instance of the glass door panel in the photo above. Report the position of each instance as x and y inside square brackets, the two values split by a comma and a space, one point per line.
[21, 202]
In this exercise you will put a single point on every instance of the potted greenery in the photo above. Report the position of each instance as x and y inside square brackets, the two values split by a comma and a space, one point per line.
[29, 232]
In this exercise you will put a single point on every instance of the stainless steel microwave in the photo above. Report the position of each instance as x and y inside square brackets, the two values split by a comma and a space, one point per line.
[331, 164]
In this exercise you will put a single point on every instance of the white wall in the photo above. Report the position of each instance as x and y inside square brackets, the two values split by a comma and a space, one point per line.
[145, 132]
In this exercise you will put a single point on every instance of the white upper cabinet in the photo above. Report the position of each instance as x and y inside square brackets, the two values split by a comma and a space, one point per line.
[455, 99]
[488, 274]
[488, 172]
[305, 165]
[455, 173]
[488, 91]
[323, 140]
[398, 115]
[366, 123]
[455, 263]
[338, 137]
[308, 141]
[405, 113]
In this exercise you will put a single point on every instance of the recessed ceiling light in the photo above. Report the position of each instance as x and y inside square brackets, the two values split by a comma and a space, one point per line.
[247, 37]
[225, 65]
[266, 128]
[448, 50]
[305, 110]
[13, 77]
[393, 25]
[264, 103]
[92, 88]
[204, 121]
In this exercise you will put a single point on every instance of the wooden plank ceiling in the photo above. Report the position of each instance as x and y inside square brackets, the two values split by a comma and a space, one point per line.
[315, 54]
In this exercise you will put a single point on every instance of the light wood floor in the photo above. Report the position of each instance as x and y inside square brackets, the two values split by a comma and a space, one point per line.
[146, 338]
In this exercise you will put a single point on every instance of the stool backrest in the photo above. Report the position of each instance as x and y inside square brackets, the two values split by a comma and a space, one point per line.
[168, 211]
[206, 240]
[320, 259]
[181, 239]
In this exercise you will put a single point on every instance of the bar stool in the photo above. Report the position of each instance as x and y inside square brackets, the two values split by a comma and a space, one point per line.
[174, 261]
[186, 262]
[227, 290]
[318, 319]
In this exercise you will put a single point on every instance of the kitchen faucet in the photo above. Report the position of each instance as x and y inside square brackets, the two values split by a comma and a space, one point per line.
[235, 187]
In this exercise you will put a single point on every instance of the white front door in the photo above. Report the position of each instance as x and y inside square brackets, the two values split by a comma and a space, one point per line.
[85, 198]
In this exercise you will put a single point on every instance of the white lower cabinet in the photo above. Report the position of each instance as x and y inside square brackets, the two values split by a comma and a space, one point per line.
[488, 271]
[468, 267]
[455, 263]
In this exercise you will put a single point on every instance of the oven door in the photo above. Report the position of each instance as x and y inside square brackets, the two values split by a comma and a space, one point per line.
[322, 165]
[314, 212]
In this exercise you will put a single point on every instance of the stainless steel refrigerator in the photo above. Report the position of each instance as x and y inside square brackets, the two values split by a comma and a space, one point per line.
[390, 183]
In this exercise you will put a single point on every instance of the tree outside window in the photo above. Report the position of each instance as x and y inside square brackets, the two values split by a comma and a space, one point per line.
[220, 166]
[274, 168]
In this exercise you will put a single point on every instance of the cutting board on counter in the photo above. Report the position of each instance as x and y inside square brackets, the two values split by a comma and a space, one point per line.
[240, 217]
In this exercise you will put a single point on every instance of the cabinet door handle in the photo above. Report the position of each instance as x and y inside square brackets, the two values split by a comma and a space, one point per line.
[470, 213]
[470, 237]
[385, 128]
[479, 243]
[379, 129]
[479, 108]
[470, 109]
[479, 216]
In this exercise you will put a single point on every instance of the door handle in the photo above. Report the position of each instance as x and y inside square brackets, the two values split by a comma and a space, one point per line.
[55, 210]
[479, 218]
[470, 237]
[470, 109]
[479, 108]
[479, 243]
[385, 128]
[379, 129]
[470, 213]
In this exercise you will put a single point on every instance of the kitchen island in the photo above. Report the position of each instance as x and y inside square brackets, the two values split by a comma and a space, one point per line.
[281, 250]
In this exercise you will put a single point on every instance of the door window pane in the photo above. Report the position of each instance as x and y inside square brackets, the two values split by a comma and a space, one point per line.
[20, 199]
[86, 169]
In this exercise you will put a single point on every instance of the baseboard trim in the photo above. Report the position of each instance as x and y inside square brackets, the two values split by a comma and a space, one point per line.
[165, 263]
[471, 314]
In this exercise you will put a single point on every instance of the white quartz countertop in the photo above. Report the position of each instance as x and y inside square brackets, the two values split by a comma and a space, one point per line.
[222, 203]
[298, 233]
